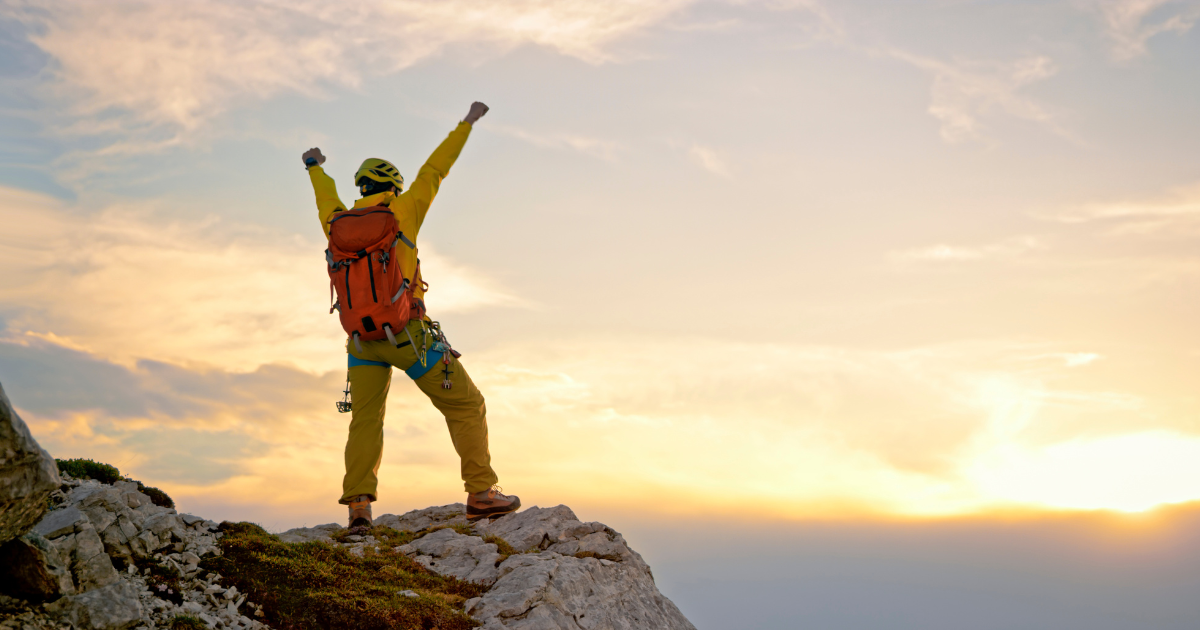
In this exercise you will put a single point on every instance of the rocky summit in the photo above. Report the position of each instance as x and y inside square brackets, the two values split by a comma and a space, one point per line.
[107, 558]
[108, 553]
[95, 562]
[560, 572]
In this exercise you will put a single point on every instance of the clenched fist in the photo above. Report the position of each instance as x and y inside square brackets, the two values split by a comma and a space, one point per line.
[313, 153]
[477, 111]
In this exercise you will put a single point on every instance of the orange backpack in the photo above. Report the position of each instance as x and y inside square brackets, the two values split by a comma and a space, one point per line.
[374, 300]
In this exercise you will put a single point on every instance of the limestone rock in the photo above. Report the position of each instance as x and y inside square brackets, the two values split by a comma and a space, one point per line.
[31, 568]
[570, 575]
[114, 607]
[549, 591]
[92, 567]
[449, 553]
[27, 474]
[323, 533]
[418, 520]
[60, 522]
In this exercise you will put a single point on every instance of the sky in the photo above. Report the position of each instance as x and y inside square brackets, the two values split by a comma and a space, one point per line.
[738, 264]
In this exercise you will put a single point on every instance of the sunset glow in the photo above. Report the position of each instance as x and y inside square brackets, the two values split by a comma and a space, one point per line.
[786, 260]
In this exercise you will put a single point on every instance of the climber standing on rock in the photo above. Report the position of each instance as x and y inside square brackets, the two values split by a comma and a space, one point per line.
[376, 277]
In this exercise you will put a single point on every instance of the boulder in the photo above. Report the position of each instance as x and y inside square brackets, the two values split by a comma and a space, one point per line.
[113, 607]
[92, 567]
[32, 569]
[449, 553]
[547, 591]
[417, 520]
[27, 475]
[321, 533]
[60, 522]
[567, 573]
[557, 529]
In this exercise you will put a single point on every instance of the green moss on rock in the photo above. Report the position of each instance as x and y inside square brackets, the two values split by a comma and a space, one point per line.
[314, 585]
[188, 622]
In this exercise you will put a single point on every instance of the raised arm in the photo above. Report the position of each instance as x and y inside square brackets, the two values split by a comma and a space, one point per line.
[323, 187]
[425, 186]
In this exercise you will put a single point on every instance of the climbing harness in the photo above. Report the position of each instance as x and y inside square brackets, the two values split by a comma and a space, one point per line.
[441, 344]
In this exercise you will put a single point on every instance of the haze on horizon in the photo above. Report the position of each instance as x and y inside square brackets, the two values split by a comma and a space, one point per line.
[777, 259]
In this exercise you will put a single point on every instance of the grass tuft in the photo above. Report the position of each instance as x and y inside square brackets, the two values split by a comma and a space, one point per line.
[385, 536]
[188, 622]
[599, 556]
[466, 529]
[502, 547]
[314, 585]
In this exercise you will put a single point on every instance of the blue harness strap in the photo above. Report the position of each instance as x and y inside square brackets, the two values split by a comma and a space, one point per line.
[354, 361]
[415, 371]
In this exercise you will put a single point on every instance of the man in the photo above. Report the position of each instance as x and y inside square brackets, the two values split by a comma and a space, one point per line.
[424, 355]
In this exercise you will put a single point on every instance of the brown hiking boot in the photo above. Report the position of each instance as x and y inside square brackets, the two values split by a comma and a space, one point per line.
[491, 503]
[360, 514]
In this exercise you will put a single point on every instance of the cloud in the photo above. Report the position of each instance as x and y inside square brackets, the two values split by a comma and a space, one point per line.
[941, 253]
[1129, 25]
[783, 429]
[595, 147]
[964, 92]
[1174, 213]
[709, 160]
[161, 70]
[126, 283]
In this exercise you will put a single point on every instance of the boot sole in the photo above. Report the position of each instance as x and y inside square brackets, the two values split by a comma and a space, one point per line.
[492, 513]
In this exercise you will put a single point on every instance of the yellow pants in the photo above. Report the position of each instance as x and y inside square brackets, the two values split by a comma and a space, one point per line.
[462, 405]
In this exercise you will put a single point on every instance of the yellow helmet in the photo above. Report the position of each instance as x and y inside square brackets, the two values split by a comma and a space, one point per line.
[377, 170]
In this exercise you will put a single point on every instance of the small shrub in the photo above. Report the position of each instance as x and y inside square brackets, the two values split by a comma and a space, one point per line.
[157, 497]
[188, 622]
[314, 585]
[106, 473]
[88, 469]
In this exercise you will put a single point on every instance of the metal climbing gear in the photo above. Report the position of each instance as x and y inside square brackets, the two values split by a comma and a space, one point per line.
[441, 344]
[343, 405]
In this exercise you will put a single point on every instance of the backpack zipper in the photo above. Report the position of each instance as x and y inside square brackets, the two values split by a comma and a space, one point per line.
[371, 270]
[349, 305]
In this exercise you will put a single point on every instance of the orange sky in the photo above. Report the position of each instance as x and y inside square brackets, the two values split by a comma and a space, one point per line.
[788, 260]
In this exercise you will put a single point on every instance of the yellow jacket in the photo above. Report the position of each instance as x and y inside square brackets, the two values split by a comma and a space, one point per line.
[409, 206]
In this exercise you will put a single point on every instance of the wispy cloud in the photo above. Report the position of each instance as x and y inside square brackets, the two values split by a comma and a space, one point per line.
[708, 159]
[965, 92]
[157, 71]
[596, 147]
[1130, 24]
[127, 283]
[1176, 212]
[942, 253]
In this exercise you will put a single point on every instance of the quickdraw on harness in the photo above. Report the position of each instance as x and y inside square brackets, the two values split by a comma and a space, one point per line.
[440, 345]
